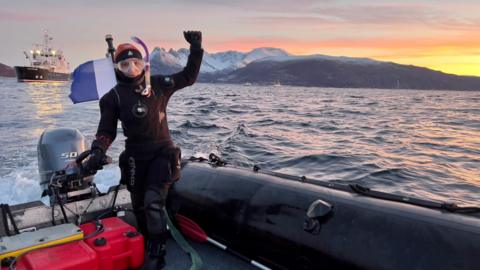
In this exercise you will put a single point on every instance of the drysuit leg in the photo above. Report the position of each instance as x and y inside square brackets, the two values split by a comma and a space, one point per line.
[134, 175]
[156, 192]
[139, 211]
[172, 203]
[149, 182]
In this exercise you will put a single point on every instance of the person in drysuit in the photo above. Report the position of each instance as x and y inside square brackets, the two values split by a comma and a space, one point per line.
[150, 163]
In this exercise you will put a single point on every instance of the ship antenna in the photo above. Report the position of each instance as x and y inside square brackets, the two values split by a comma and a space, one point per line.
[46, 39]
[111, 49]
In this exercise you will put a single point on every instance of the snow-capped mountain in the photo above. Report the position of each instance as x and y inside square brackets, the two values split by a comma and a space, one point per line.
[341, 59]
[165, 62]
[268, 66]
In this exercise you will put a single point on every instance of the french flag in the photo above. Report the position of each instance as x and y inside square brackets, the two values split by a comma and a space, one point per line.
[91, 80]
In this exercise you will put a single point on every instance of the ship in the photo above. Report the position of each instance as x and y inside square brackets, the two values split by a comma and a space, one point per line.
[46, 64]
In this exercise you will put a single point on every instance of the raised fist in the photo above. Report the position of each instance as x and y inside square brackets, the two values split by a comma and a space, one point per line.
[194, 38]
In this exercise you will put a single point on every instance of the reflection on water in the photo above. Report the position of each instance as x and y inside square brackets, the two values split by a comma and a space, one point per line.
[47, 99]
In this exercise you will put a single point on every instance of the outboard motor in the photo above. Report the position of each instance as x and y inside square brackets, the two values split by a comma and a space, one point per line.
[57, 148]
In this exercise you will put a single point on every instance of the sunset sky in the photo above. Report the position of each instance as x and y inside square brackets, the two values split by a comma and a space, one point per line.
[439, 34]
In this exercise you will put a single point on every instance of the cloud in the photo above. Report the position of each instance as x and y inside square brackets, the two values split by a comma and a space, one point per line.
[459, 24]
[381, 13]
[376, 47]
[250, 6]
[465, 41]
[6, 15]
[372, 15]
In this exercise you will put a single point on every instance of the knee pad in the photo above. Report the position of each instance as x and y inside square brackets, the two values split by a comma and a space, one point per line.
[155, 198]
[155, 212]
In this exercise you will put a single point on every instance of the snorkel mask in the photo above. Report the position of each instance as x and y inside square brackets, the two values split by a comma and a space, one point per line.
[148, 87]
[130, 62]
[131, 67]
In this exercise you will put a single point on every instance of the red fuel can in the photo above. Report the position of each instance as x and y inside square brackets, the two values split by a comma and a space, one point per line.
[118, 247]
[72, 256]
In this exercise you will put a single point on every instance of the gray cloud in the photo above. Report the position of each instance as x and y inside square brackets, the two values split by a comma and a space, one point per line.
[371, 14]
[6, 15]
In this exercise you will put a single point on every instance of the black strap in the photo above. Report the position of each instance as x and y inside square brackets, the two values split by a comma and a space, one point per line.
[117, 188]
[15, 228]
[6, 212]
[118, 96]
[53, 215]
[60, 202]
[4, 220]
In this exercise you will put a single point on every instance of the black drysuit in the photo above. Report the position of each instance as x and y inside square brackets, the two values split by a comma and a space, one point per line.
[150, 162]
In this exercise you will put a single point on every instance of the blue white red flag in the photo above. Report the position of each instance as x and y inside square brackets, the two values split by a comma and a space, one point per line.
[91, 80]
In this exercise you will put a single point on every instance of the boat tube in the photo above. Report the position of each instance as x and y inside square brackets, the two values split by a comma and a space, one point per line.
[296, 224]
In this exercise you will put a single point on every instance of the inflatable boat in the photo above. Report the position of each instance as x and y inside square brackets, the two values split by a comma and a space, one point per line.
[271, 220]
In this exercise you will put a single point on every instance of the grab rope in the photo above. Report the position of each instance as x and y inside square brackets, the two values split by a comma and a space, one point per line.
[450, 207]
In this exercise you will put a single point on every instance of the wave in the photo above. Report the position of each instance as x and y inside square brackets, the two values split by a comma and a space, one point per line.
[22, 184]
[315, 160]
[198, 125]
[200, 98]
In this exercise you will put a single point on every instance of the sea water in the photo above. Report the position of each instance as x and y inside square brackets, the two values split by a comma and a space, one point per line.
[418, 143]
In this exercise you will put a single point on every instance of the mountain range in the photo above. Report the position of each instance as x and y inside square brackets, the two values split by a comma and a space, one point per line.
[266, 66]
[174, 60]
[6, 71]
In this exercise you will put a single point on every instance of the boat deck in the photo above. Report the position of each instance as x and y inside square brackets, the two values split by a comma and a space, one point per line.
[213, 258]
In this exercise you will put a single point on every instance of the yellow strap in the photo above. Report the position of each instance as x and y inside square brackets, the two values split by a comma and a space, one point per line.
[16, 253]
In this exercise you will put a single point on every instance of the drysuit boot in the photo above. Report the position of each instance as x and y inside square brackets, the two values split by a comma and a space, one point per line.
[155, 214]
[154, 255]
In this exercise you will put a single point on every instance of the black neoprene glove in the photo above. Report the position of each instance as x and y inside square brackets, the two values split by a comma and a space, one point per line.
[96, 159]
[194, 38]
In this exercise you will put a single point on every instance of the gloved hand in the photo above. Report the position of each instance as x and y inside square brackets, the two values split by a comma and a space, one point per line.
[194, 38]
[95, 161]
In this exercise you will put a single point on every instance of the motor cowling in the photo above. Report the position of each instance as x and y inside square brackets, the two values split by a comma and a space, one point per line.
[56, 148]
